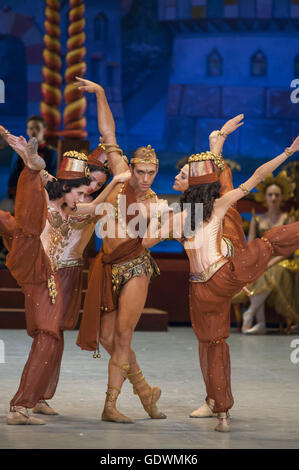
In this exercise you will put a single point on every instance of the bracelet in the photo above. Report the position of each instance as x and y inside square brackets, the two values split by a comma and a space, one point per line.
[107, 145]
[114, 149]
[288, 152]
[223, 134]
[244, 189]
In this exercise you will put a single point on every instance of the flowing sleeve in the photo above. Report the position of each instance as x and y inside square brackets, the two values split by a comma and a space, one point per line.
[7, 227]
[27, 260]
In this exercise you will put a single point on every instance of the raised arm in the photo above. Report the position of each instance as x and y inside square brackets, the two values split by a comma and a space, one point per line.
[229, 127]
[90, 207]
[106, 125]
[223, 203]
[22, 148]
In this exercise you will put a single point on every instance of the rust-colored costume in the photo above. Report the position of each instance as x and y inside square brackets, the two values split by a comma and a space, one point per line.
[210, 303]
[32, 233]
[100, 294]
[7, 227]
[233, 226]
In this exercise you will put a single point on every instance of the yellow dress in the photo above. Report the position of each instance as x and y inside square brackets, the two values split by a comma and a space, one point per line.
[281, 281]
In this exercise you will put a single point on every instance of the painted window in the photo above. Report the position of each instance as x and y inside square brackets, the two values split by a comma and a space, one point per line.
[231, 8]
[214, 64]
[170, 9]
[101, 27]
[264, 8]
[198, 8]
[258, 64]
[295, 8]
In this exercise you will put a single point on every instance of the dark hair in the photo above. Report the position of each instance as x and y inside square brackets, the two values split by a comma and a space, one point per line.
[56, 189]
[94, 168]
[36, 118]
[202, 193]
[182, 162]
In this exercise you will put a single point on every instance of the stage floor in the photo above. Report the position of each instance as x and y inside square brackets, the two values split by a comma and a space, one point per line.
[264, 383]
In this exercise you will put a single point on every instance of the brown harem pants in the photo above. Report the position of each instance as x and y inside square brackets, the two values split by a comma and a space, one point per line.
[210, 304]
[41, 372]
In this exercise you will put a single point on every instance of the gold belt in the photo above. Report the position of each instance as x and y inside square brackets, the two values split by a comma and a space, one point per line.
[205, 275]
[69, 263]
[123, 272]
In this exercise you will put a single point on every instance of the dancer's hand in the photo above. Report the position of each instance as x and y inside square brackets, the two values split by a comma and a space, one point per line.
[19, 145]
[122, 177]
[87, 85]
[4, 133]
[295, 145]
[233, 124]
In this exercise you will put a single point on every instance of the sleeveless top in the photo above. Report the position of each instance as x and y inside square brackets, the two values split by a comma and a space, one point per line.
[64, 240]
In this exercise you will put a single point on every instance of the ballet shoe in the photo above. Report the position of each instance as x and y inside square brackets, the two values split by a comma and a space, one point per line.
[19, 416]
[113, 415]
[294, 328]
[34, 162]
[148, 395]
[152, 409]
[43, 408]
[247, 321]
[257, 329]
[204, 411]
[224, 422]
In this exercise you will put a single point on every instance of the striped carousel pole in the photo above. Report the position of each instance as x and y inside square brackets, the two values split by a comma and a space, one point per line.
[73, 116]
[51, 85]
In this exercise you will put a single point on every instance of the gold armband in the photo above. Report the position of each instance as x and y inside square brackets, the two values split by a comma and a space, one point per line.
[244, 189]
[223, 134]
[288, 152]
[114, 149]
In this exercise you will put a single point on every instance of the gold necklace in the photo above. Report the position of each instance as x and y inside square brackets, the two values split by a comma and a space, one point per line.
[148, 195]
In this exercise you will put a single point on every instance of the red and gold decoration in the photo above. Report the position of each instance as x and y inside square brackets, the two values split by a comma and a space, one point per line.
[51, 71]
[73, 165]
[73, 116]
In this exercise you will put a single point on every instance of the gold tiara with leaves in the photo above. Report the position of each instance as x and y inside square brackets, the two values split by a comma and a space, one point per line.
[149, 156]
[76, 155]
[203, 156]
[286, 184]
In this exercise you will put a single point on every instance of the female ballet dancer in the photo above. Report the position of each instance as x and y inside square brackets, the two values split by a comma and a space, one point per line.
[214, 278]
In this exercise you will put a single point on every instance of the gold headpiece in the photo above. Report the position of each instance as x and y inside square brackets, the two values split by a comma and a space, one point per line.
[286, 184]
[149, 156]
[73, 165]
[75, 154]
[200, 157]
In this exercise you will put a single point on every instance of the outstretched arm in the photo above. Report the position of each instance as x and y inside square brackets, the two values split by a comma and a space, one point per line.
[229, 127]
[106, 124]
[222, 204]
[89, 208]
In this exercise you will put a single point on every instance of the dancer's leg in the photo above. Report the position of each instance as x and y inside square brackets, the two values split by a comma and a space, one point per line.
[131, 302]
[256, 305]
[44, 357]
[147, 394]
[42, 407]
